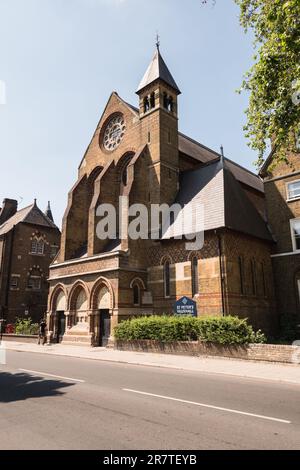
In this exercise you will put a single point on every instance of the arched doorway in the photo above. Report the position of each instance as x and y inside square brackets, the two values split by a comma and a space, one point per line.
[102, 306]
[104, 312]
[57, 315]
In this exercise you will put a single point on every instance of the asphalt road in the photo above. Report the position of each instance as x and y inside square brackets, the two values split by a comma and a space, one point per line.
[64, 403]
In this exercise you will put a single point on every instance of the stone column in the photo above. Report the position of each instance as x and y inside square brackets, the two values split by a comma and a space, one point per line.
[50, 326]
[68, 325]
[114, 320]
[93, 327]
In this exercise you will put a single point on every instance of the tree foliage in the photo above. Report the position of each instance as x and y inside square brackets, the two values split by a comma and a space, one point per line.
[274, 79]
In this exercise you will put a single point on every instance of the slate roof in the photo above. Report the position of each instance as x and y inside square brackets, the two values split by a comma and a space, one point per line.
[225, 203]
[30, 215]
[158, 70]
[203, 154]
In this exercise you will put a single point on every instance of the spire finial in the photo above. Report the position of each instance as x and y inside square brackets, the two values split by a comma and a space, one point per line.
[157, 40]
[222, 155]
[35, 201]
[48, 212]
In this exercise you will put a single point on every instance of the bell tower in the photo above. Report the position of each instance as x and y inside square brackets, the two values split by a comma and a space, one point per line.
[158, 107]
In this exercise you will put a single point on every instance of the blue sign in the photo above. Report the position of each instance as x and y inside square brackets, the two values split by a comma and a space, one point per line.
[185, 306]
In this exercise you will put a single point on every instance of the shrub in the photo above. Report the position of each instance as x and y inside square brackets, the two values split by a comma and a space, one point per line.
[24, 326]
[219, 330]
[228, 330]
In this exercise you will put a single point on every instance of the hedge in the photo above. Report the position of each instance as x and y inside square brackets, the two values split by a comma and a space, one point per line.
[26, 327]
[218, 330]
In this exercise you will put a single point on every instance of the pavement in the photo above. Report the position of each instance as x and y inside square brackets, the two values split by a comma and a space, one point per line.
[51, 402]
[289, 373]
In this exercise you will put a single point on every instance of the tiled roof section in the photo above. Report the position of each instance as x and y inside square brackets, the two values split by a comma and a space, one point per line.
[204, 154]
[240, 213]
[225, 203]
[196, 150]
[245, 176]
[158, 70]
[30, 215]
[133, 108]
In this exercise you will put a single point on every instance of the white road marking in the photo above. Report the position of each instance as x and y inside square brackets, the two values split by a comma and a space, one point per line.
[45, 374]
[269, 418]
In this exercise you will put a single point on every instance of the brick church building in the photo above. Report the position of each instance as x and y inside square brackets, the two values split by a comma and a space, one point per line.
[140, 153]
[29, 241]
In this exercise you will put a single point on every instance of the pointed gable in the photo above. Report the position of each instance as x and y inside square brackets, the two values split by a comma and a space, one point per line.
[158, 70]
[30, 215]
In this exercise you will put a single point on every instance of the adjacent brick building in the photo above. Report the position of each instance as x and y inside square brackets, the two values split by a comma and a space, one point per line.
[139, 153]
[29, 241]
[282, 190]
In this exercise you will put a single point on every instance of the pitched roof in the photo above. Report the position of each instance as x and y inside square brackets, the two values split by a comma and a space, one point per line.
[225, 204]
[158, 70]
[203, 154]
[30, 215]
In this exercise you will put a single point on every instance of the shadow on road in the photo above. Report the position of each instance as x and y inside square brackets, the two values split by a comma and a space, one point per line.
[19, 387]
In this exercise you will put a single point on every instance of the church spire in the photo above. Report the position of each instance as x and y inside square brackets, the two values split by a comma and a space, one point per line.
[158, 70]
[48, 212]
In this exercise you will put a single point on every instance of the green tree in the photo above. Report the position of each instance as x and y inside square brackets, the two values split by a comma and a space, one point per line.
[274, 79]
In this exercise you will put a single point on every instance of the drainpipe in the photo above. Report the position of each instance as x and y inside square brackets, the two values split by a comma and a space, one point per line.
[9, 267]
[222, 271]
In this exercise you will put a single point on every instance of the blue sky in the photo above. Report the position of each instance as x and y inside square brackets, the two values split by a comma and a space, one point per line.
[60, 60]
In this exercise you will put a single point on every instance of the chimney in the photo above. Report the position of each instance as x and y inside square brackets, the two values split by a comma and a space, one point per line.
[9, 208]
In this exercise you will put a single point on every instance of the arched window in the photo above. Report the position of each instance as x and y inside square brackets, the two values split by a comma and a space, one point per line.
[34, 280]
[195, 278]
[136, 295]
[124, 176]
[241, 272]
[166, 100]
[170, 104]
[123, 168]
[146, 104]
[152, 100]
[167, 279]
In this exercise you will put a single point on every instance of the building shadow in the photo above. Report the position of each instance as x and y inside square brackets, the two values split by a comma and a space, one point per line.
[22, 386]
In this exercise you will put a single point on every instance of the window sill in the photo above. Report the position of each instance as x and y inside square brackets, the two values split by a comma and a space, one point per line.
[37, 254]
[293, 200]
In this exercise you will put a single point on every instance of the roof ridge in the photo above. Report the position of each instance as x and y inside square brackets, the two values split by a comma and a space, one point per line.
[242, 167]
[217, 153]
[197, 143]
[17, 213]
